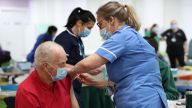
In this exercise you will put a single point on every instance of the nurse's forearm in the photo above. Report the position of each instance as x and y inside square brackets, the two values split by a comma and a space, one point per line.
[91, 62]
[69, 66]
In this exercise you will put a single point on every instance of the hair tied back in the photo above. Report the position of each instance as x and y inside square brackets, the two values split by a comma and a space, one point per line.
[79, 11]
[125, 7]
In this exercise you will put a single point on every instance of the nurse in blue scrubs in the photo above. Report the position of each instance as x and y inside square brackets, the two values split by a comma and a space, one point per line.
[131, 62]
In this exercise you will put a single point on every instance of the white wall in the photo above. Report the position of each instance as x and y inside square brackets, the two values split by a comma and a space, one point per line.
[12, 27]
[149, 11]
[22, 22]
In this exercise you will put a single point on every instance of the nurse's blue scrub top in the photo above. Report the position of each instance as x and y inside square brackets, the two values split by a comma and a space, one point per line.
[133, 66]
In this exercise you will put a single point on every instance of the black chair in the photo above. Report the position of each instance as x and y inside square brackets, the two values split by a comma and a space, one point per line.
[10, 102]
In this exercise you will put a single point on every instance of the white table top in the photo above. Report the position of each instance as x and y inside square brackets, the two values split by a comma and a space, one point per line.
[181, 73]
[4, 94]
[11, 73]
[176, 103]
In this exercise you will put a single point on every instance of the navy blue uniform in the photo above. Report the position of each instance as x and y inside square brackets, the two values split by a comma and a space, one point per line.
[74, 47]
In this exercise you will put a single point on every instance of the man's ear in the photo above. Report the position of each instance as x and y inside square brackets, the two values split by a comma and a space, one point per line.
[45, 65]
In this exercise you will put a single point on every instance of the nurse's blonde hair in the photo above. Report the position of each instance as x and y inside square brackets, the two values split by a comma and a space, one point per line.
[124, 13]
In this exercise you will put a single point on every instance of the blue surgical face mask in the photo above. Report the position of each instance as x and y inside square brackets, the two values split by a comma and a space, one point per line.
[105, 34]
[61, 74]
[173, 26]
[85, 33]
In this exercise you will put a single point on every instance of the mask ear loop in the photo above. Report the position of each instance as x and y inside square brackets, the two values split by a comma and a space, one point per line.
[79, 31]
[125, 7]
[50, 73]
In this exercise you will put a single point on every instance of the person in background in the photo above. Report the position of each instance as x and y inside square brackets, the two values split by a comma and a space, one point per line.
[166, 74]
[48, 36]
[190, 52]
[48, 86]
[131, 62]
[154, 32]
[176, 44]
[4, 56]
[79, 25]
[147, 32]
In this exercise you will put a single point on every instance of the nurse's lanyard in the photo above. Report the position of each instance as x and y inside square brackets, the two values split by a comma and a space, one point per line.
[81, 47]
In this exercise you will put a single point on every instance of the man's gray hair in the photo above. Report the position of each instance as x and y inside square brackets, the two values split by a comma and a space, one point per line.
[45, 52]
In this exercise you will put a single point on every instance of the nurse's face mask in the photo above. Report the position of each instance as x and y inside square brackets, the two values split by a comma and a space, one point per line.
[85, 32]
[104, 33]
[61, 73]
[86, 28]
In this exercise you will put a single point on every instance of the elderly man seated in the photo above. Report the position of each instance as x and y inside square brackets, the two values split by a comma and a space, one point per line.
[48, 85]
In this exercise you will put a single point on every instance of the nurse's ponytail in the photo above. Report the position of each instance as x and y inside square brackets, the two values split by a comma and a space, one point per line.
[132, 19]
[124, 13]
[79, 14]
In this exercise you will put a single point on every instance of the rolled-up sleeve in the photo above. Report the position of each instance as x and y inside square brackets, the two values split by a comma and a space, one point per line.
[111, 49]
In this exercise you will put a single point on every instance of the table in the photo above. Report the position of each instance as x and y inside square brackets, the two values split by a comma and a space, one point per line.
[4, 94]
[11, 73]
[176, 103]
[10, 76]
[182, 73]
[183, 80]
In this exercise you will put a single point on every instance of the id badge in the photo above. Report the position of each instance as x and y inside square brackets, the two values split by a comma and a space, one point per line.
[173, 40]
